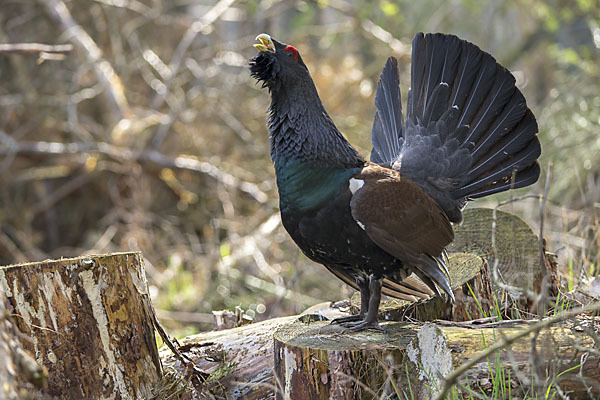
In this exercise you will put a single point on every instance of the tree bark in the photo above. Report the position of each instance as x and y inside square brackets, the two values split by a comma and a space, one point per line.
[21, 376]
[89, 322]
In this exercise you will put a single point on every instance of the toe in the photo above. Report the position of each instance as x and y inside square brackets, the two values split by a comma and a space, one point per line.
[366, 325]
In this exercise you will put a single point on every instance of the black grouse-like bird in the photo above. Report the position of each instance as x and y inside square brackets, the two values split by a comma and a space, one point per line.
[382, 225]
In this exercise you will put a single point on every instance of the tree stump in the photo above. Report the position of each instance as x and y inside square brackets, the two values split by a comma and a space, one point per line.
[89, 322]
[514, 252]
[320, 361]
[473, 255]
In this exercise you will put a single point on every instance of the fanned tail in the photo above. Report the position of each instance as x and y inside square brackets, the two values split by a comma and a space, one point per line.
[501, 130]
[468, 131]
[468, 134]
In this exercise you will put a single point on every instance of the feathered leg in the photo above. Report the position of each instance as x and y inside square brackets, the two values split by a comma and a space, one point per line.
[370, 320]
[365, 294]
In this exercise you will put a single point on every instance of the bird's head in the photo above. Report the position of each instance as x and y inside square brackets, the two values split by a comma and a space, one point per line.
[277, 63]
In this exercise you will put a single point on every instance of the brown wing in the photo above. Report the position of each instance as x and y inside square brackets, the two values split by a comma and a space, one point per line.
[403, 220]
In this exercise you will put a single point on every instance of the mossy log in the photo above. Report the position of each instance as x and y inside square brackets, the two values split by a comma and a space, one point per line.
[89, 322]
[239, 361]
[319, 361]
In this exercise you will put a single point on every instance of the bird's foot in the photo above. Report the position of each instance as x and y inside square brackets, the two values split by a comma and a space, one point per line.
[344, 320]
[362, 325]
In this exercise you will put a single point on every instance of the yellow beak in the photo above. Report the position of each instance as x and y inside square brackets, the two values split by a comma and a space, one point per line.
[266, 44]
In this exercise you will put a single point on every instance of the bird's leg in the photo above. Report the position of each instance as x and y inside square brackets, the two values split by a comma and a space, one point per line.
[370, 320]
[364, 305]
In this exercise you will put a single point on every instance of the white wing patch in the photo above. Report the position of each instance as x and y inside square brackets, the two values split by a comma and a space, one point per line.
[355, 184]
[362, 226]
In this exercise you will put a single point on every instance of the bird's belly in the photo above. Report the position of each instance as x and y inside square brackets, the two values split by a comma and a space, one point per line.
[329, 235]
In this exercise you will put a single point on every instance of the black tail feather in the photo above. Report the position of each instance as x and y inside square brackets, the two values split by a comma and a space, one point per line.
[468, 131]
[490, 154]
[460, 94]
[503, 180]
[437, 104]
[387, 126]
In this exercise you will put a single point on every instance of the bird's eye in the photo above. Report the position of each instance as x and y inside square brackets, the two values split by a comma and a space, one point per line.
[291, 52]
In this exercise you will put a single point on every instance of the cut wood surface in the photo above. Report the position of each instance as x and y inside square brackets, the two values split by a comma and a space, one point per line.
[508, 242]
[89, 321]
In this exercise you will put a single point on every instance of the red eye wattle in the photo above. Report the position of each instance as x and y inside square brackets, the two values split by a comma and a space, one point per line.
[291, 51]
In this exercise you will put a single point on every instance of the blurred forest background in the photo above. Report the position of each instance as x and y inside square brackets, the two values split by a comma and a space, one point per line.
[150, 134]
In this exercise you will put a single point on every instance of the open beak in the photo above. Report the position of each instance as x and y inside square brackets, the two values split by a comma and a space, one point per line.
[266, 44]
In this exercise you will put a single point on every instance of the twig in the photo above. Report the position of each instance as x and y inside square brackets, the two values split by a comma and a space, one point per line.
[485, 323]
[201, 25]
[104, 70]
[184, 359]
[507, 341]
[44, 51]
[544, 289]
[542, 298]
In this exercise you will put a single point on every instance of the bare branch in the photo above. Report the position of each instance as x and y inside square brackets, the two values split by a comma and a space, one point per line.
[104, 70]
[44, 51]
[203, 25]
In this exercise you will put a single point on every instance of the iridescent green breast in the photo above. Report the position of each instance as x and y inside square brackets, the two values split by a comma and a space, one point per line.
[303, 187]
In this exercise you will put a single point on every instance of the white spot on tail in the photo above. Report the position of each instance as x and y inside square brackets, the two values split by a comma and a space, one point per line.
[354, 185]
